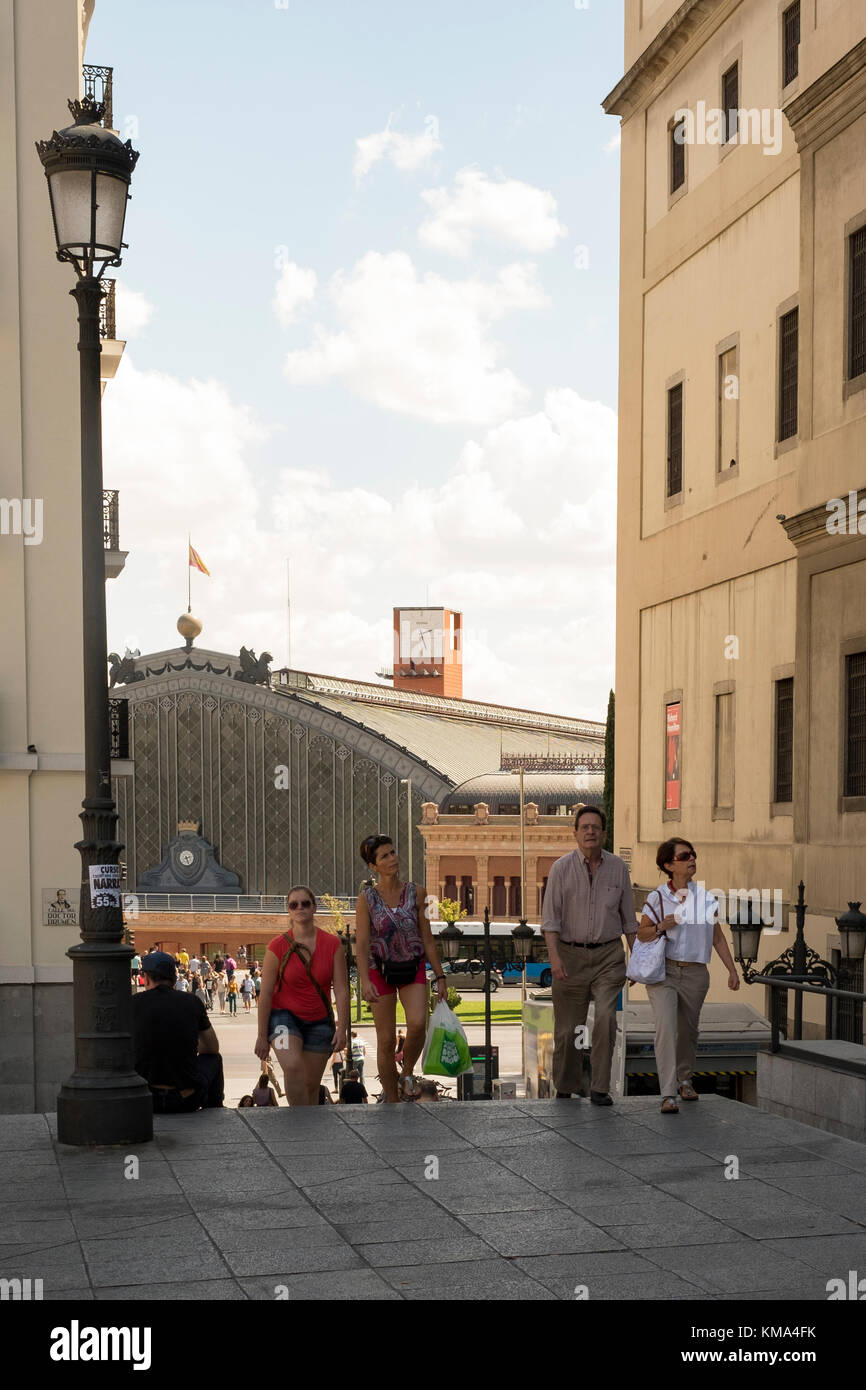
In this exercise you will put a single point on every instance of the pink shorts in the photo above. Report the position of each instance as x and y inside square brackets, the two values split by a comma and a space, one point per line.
[382, 987]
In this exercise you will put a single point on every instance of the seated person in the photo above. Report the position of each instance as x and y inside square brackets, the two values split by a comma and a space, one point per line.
[353, 1092]
[176, 1049]
[427, 1091]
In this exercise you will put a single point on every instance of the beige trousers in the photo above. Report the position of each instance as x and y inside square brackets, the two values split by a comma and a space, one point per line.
[596, 975]
[676, 1006]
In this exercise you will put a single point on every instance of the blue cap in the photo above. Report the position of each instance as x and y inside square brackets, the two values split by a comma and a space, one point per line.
[160, 965]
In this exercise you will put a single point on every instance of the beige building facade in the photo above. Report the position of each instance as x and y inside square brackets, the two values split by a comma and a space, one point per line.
[42, 46]
[741, 636]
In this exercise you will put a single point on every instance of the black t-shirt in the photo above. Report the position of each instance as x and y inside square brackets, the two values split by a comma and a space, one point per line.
[352, 1093]
[165, 1028]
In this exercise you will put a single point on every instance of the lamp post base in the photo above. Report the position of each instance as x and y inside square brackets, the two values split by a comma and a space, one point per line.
[118, 1110]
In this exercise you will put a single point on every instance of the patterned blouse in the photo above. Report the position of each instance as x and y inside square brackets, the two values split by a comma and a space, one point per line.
[394, 933]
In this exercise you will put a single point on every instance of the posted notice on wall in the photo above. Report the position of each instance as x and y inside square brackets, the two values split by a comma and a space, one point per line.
[60, 907]
[105, 885]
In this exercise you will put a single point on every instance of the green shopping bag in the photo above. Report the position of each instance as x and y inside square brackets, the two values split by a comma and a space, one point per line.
[446, 1051]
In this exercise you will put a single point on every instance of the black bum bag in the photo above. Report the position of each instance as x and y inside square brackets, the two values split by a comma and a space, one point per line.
[399, 972]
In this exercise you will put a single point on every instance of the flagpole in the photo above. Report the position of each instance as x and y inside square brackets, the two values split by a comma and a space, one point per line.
[188, 573]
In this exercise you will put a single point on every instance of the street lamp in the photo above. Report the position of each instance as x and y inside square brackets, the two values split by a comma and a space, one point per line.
[407, 782]
[523, 936]
[799, 962]
[852, 933]
[104, 1101]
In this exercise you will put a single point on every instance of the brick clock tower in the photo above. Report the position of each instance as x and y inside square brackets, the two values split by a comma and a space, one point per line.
[428, 651]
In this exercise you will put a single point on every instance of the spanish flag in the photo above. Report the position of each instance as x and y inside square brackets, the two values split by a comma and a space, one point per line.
[197, 562]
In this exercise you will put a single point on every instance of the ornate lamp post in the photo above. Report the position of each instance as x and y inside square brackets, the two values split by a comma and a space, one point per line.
[800, 962]
[449, 940]
[104, 1101]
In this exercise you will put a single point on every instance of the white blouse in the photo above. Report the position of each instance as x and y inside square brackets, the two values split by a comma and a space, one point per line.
[696, 912]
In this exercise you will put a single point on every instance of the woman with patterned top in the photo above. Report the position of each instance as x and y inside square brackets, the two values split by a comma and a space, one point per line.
[393, 940]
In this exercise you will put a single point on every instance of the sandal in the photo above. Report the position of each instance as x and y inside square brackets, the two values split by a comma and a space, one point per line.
[669, 1106]
[688, 1092]
[408, 1088]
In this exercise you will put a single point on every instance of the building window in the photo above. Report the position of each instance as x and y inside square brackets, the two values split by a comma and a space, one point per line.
[788, 373]
[855, 724]
[723, 794]
[675, 440]
[783, 771]
[500, 897]
[451, 887]
[728, 406]
[857, 304]
[790, 43]
[678, 155]
[514, 897]
[731, 101]
[467, 894]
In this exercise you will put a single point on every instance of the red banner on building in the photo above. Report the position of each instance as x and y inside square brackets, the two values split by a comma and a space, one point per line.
[672, 757]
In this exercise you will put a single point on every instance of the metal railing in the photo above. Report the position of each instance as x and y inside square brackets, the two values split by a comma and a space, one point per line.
[211, 902]
[777, 983]
[553, 762]
[99, 84]
[110, 519]
[107, 321]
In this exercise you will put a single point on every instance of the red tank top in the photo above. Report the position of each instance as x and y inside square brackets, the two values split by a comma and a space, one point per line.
[296, 991]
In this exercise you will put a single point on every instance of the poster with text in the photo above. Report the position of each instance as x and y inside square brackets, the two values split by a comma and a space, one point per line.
[672, 757]
[60, 907]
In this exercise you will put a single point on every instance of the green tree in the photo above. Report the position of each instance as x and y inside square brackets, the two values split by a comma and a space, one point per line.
[608, 771]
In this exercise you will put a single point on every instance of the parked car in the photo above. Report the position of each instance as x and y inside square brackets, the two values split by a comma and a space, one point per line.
[469, 974]
[537, 973]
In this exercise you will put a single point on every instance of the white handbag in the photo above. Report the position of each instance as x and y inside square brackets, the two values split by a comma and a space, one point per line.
[646, 964]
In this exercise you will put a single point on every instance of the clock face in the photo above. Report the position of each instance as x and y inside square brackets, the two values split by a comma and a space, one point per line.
[421, 634]
[186, 857]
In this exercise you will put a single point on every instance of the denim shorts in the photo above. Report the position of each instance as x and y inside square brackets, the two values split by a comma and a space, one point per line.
[316, 1036]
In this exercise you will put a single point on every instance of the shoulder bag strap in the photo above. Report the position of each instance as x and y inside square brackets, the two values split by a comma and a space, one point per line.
[303, 952]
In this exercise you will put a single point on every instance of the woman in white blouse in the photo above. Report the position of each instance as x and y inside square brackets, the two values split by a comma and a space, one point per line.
[687, 915]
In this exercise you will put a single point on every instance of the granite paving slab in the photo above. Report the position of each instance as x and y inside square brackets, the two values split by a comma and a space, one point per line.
[740, 1266]
[346, 1285]
[532, 1199]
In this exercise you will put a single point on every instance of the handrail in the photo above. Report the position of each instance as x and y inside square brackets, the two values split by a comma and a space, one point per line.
[799, 983]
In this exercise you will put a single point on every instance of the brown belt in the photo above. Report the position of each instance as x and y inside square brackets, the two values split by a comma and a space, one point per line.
[590, 945]
[685, 962]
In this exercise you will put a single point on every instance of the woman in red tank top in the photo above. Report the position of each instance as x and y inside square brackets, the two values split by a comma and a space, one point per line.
[302, 966]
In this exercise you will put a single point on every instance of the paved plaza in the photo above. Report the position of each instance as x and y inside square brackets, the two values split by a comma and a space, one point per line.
[537, 1200]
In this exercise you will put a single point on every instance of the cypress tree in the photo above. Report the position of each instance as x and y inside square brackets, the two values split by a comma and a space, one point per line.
[608, 772]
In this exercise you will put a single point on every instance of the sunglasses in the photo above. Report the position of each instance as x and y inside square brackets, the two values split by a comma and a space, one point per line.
[683, 855]
[295, 903]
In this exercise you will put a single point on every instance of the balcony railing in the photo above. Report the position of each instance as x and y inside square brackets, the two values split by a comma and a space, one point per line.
[107, 323]
[110, 519]
[98, 83]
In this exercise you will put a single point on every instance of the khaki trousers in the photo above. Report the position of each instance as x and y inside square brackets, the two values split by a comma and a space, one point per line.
[676, 1006]
[596, 975]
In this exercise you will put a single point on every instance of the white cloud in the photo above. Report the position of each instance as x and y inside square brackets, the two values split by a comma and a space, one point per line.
[295, 288]
[519, 535]
[420, 345]
[614, 142]
[133, 311]
[505, 209]
[406, 152]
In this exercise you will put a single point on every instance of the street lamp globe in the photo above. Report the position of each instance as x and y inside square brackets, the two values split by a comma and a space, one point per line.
[449, 939]
[852, 933]
[746, 936]
[88, 169]
[523, 937]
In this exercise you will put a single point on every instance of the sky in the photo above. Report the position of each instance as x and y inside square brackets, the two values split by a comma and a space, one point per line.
[370, 301]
